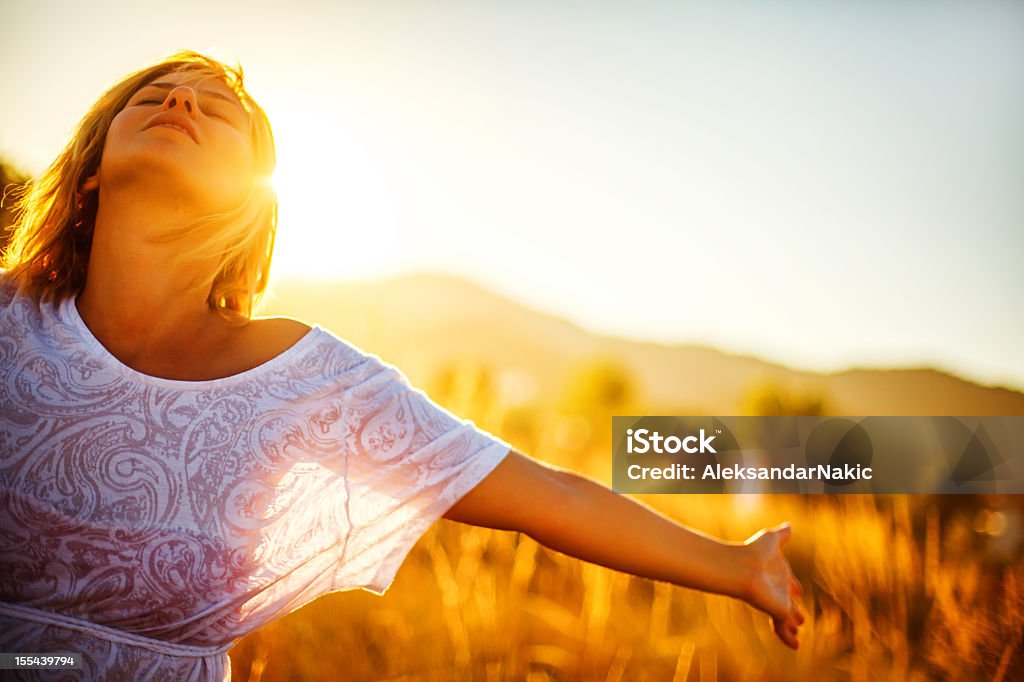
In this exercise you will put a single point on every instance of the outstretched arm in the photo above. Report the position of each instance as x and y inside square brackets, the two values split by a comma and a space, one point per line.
[582, 518]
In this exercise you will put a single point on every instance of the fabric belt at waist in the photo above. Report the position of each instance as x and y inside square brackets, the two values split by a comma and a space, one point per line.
[44, 617]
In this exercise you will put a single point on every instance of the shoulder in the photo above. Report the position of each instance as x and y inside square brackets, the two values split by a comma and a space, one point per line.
[279, 329]
[263, 339]
[11, 293]
[272, 336]
[340, 360]
[330, 362]
[8, 288]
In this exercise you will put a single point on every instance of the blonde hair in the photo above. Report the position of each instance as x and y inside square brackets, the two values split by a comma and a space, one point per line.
[48, 253]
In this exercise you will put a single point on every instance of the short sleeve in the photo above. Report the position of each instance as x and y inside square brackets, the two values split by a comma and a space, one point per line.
[407, 462]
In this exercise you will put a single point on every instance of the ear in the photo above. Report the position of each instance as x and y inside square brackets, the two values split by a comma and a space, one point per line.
[91, 183]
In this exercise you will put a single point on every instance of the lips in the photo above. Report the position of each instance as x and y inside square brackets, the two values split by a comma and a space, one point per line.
[173, 121]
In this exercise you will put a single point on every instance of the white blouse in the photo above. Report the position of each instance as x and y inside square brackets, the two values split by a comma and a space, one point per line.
[148, 523]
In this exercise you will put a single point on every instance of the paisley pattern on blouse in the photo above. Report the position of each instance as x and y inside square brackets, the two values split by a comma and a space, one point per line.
[196, 512]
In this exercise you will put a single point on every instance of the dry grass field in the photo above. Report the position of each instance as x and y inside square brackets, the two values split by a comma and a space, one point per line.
[897, 587]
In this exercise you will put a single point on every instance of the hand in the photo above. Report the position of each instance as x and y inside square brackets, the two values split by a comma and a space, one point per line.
[773, 589]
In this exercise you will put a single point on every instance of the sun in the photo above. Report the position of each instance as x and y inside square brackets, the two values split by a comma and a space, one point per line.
[336, 206]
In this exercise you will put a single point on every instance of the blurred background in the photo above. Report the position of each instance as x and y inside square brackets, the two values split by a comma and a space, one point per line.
[547, 215]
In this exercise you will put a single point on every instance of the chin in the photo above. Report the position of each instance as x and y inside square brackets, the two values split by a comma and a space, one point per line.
[165, 178]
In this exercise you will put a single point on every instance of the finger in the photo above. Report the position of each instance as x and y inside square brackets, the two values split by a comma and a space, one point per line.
[791, 639]
[795, 588]
[788, 638]
[783, 531]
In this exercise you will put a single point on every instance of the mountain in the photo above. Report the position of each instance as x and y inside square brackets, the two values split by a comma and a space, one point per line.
[425, 322]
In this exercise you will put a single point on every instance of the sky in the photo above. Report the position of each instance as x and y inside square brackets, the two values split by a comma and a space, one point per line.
[826, 184]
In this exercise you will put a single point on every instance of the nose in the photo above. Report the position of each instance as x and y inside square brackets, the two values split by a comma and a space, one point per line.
[181, 97]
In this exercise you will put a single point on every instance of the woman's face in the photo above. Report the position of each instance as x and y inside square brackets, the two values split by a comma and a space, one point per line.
[189, 135]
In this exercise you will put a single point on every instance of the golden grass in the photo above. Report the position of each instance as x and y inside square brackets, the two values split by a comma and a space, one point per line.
[897, 588]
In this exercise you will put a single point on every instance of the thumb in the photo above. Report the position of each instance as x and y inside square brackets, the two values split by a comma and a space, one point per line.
[783, 531]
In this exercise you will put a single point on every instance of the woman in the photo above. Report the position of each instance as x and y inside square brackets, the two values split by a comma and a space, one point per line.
[175, 473]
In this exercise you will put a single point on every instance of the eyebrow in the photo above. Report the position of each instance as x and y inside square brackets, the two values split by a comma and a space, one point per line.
[208, 93]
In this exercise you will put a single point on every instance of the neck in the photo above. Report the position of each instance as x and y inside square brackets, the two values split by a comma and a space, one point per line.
[135, 298]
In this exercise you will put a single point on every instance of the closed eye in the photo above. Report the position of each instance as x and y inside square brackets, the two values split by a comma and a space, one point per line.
[220, 114]
[213, 114]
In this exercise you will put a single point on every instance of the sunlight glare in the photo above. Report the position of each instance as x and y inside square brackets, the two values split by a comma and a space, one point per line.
[336, 218]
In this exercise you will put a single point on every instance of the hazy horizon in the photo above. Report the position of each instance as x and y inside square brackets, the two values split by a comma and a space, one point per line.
[293, 280]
